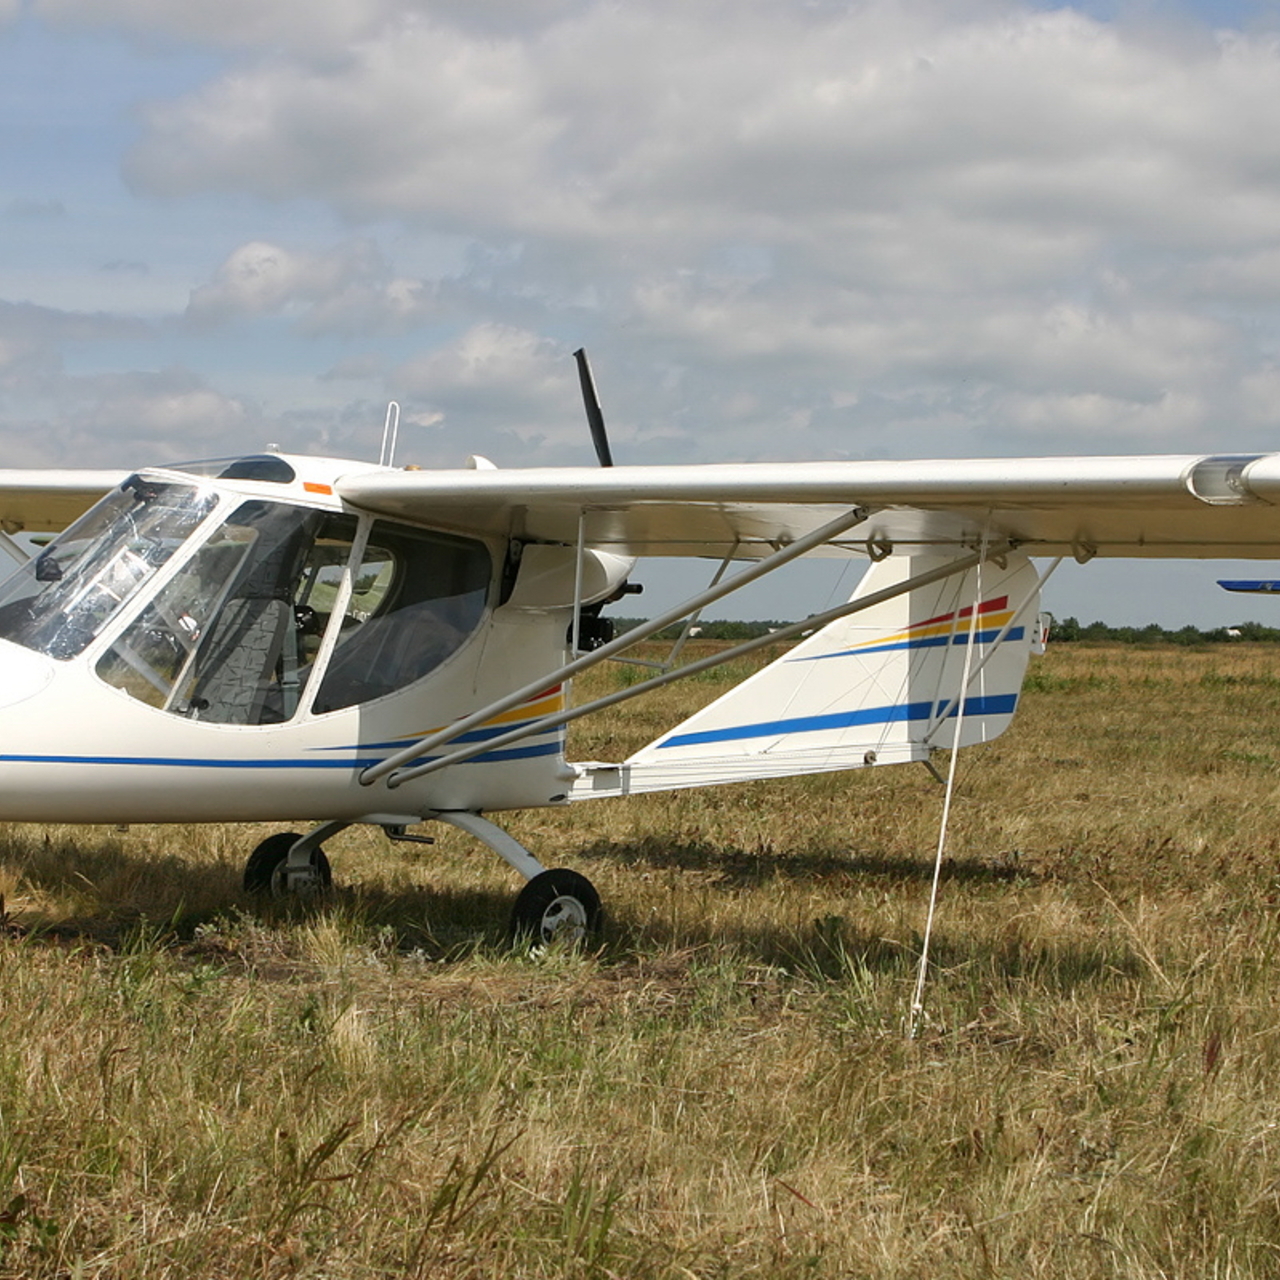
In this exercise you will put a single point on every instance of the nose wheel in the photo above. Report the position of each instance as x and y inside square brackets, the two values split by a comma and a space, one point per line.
[269, 871]
[557, 906]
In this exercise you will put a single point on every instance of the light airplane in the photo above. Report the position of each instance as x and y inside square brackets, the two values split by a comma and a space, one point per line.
[275, 637]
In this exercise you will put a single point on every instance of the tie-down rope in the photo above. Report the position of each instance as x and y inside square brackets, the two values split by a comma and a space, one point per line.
[917, 1003]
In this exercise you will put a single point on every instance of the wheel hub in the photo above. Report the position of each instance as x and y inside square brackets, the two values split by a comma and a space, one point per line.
[296, 882]
[564, 920]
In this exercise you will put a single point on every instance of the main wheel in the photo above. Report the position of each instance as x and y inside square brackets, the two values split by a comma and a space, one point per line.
[555, 906]
[265, 870]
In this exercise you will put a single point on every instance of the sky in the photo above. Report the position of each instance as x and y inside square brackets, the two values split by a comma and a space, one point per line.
[783, 229]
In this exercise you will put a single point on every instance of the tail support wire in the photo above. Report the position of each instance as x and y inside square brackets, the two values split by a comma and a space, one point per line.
[544, 723]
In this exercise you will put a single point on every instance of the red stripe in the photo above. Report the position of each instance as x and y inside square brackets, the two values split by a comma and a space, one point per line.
[991, 606]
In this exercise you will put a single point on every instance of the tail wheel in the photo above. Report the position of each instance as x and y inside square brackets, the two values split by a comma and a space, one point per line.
[265, 871]
[557, 906]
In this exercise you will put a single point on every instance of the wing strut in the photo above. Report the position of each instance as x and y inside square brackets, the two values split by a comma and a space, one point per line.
[827, 533]
[541, 725]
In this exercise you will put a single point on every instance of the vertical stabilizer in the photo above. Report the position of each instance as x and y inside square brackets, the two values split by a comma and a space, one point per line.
[879, 687]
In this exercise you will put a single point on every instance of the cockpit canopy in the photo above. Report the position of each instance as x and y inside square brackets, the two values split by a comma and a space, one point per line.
[246, 610]
[59, 602]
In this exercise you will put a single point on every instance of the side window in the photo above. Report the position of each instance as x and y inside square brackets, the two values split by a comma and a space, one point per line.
[417, 597]
[232, 637]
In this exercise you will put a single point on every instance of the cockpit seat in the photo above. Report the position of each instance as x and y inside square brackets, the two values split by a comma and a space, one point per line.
[243, 661]
[243, 653]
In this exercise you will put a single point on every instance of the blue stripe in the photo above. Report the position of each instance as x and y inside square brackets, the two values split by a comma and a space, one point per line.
[928, 642]
[996, 705]
[179, 762]
[516, 753]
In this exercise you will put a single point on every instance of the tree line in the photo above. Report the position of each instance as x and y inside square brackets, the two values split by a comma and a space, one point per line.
[1062, 631]
[1065, 630]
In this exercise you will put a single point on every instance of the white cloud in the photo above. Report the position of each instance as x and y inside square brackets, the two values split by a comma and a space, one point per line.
[495, 379]
[348, 288]
[123, 419]
[428, 121]
[262, 278]
[33, 339]
[54, 413]
[172, 408]
[317, 27]
[821, 229]
[668, 122]
[293, 23]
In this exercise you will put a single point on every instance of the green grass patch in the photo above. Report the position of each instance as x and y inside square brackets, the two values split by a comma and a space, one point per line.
[194, 1084]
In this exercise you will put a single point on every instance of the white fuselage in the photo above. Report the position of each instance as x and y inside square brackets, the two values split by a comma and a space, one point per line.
[78, 746]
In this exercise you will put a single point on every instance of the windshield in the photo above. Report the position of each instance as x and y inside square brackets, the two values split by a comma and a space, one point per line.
[232, 636]
[59, 601]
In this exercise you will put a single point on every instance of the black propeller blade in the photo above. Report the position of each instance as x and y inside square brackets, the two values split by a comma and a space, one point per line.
[595, 419]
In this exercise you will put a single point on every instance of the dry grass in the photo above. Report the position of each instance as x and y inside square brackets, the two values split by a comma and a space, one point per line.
[192, 1086]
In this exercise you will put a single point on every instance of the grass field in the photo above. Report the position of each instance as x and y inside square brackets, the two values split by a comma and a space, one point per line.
[193, 1085]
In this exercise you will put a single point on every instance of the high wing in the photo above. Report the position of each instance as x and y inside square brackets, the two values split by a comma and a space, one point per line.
[1186, 506]
[48, 501]
[1178, 505]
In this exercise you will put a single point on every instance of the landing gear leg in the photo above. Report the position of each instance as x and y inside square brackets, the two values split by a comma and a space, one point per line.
[558, 906]
[290, 865]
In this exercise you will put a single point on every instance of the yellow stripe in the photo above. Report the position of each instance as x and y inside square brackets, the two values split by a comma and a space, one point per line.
[528, 711]
[531, 710]
[992, 620]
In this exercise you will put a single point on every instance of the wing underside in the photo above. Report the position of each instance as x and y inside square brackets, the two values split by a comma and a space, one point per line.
[1176, 506]
[48, 501]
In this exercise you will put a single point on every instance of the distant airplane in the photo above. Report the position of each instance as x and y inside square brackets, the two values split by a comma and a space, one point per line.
[272, 637]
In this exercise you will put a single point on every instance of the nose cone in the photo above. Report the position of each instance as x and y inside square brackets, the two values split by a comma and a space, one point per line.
[23, 673]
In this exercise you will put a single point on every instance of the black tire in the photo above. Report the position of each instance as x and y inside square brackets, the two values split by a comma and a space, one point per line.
[269, 857]
[556, 906]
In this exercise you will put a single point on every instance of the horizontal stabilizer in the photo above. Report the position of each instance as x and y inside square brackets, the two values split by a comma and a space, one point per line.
[881, 686]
